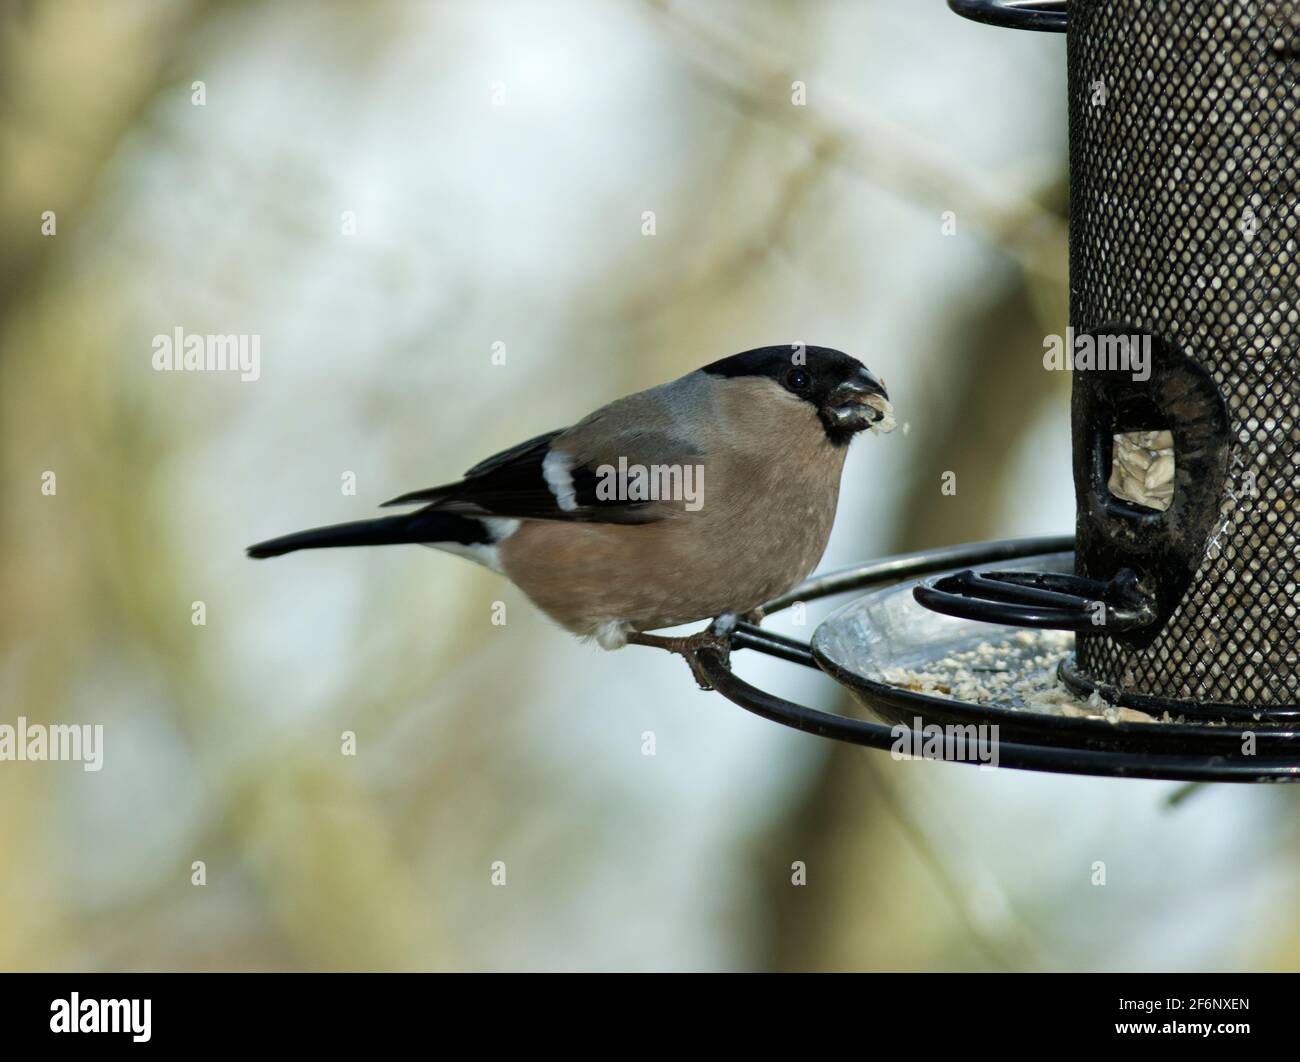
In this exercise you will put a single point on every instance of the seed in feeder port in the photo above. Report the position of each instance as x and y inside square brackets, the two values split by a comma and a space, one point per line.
[1142, 468]
[1161, 473]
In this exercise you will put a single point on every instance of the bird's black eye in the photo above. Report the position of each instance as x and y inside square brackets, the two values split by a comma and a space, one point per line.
[798, 380]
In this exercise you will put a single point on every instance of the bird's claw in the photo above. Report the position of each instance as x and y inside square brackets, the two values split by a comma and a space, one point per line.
[705, 640]
[689, 648]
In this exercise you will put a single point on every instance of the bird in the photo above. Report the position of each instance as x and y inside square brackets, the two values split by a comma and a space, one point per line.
[700, 498]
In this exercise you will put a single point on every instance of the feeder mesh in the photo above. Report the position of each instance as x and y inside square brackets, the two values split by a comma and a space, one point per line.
[1184, 222]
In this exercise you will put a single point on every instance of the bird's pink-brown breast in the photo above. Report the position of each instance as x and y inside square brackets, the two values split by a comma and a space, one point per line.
[769, 491]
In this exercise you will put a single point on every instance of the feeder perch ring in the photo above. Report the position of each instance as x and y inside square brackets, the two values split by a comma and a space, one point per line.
[1185, 750]
[1054, 600]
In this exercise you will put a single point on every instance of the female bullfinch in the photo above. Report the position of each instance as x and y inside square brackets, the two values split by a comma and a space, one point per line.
[702, 497]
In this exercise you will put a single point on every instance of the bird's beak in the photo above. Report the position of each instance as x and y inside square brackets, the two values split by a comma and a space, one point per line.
[860, 402]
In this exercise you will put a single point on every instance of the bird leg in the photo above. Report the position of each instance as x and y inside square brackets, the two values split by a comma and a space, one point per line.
[688, 647]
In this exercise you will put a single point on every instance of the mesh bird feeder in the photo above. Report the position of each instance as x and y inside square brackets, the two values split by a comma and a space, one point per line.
[1185, 216]
[1181, 586]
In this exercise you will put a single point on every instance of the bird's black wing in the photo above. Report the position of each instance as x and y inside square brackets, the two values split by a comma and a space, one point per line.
[534, 481]
[496, 461]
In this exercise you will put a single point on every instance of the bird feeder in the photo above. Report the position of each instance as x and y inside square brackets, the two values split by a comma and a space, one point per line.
[1168, 627]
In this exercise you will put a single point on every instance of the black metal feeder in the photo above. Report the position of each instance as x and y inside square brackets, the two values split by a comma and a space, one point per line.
[1181, 586]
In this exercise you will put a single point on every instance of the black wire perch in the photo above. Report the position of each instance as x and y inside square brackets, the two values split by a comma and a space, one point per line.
[1182, 750]
[1046, 16]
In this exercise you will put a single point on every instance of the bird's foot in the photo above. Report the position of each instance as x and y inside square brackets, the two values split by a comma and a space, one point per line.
[688, 648]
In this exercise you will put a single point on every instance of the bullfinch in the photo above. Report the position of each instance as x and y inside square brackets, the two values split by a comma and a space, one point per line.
[702, 497]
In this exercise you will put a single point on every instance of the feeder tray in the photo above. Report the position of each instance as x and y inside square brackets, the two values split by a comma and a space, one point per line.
[888, 629]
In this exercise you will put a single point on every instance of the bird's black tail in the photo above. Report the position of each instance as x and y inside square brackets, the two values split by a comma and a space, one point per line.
[426, 526]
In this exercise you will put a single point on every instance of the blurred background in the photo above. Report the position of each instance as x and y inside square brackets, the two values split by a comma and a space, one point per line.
[433, 215]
